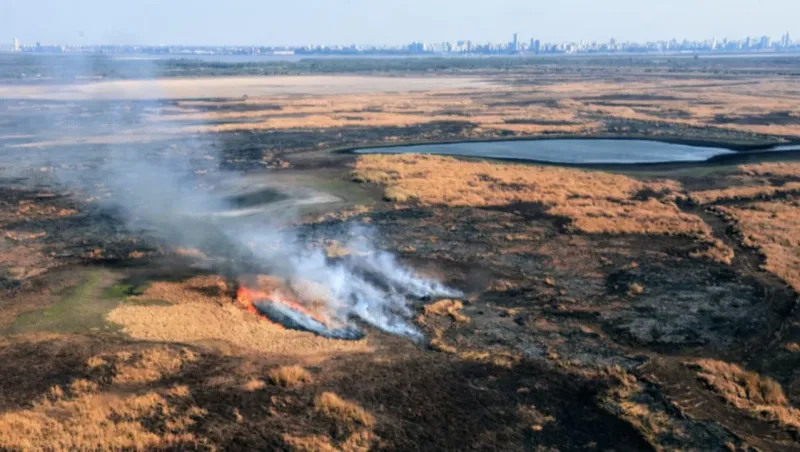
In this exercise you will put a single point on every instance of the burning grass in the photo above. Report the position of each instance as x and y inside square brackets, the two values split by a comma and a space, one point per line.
[595, 202]
[761, 396]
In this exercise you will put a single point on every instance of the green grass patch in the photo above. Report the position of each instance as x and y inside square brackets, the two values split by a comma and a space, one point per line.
[122, 291]
[82, 308]
[346, 189]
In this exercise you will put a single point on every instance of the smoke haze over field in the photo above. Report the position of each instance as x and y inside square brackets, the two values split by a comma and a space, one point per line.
[159, 188]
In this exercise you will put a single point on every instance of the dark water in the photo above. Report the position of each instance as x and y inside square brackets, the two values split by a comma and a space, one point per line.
[567, 151]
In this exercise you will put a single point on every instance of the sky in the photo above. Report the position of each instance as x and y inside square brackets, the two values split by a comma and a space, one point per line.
[305, 22]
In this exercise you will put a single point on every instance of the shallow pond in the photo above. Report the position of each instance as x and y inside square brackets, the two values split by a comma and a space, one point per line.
[575, 151]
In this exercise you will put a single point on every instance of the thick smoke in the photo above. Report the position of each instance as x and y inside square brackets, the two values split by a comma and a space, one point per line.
[159, 188]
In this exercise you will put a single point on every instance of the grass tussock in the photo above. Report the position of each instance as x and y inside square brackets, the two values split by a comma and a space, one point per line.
[717, 251]
[317, 443]
[360, 441]
[594, 201]
[439, 344]
[254, 384]
[449, 308]
[344, 413]
[761, 396]
[150, 365]
[289, 376]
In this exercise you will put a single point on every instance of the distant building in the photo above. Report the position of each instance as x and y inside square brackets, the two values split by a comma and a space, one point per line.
[515, 43]
[786, 40]
[15, 45]
[536, 46]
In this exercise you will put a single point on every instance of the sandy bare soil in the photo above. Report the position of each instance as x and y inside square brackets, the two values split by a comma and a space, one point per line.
[236, 87]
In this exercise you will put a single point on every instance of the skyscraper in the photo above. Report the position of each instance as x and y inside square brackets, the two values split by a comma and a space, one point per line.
[15, 45]
[515, 43]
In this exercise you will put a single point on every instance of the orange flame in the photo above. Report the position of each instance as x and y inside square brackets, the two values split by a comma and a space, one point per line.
[245, 297]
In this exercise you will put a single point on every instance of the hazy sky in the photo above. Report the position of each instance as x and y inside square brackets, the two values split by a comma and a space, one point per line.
[272, 22]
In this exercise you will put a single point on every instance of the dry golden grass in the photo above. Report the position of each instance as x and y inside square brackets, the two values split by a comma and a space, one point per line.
[97, 422]
[316, 443]
[195, 290]
[778, 169]
[33, 209]
[360, 441]
[83, 415]
[254, 384]
[439, 344]
[761, 396]
[334, 249]
[533, 417]
[753, 181]
[744, 193]
[716, 250]
[561, 106]
[774, 229]
[630, 401]
[635, 289]
[148, 366]
[211, 323]
[447, 308]
[595, 201]
[344, 413]
[23, 236]
[289, 376]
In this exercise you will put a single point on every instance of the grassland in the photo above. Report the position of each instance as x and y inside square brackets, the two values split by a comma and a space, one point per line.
[594, 202]
[637, 308]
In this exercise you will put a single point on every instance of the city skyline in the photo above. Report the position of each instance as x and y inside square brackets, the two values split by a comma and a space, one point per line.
[514, 46]
[250, 22]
